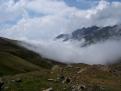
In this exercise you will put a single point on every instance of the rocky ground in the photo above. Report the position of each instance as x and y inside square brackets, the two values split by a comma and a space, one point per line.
[76, 77]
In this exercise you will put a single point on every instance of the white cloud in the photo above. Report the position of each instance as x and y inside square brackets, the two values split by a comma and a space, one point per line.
[100, 53]
[9, 11]
[57, 18]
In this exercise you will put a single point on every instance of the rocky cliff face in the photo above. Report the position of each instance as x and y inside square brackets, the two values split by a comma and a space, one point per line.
[93, 34]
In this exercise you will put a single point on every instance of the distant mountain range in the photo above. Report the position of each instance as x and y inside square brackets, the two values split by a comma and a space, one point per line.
[93, 34]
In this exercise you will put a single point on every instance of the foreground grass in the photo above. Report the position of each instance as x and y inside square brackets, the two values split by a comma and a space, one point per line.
[33, 81]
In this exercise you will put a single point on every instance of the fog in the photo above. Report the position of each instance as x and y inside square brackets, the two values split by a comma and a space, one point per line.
[70, 52]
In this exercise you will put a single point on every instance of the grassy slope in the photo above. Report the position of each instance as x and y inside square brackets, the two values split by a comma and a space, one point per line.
[16, 59]
[10, 64]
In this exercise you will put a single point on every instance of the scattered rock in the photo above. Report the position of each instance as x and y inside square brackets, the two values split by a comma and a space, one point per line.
[18, 80]
[51, 80]
[105, 68]
[61, 78]
[78, 87]
[82, 87]
[66, 80]
[82, 70]
[49, 89]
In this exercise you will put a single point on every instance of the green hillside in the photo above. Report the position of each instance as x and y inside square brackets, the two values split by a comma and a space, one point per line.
[16, 59]
[10, 64]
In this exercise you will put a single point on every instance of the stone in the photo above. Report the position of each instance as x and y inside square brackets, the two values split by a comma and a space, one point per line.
[66, 80]
[18, 80]
[78, 87]
[82, 87]
[49, 89]
[61, 78]
[50, 79]
[82, 70]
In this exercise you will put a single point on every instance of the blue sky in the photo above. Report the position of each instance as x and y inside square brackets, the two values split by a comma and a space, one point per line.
[84, 4]
[79, 4]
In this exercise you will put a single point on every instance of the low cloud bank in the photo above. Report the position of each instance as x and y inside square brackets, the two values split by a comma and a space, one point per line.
[70, 52]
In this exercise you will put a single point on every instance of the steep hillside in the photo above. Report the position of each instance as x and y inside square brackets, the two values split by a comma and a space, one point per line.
[15, 59]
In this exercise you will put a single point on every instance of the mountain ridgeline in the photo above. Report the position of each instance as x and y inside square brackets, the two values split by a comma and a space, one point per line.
[93, 34]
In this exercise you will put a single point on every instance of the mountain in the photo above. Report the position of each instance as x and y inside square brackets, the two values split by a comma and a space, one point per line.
[24, 70]
[17, 59]
[93, 34]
